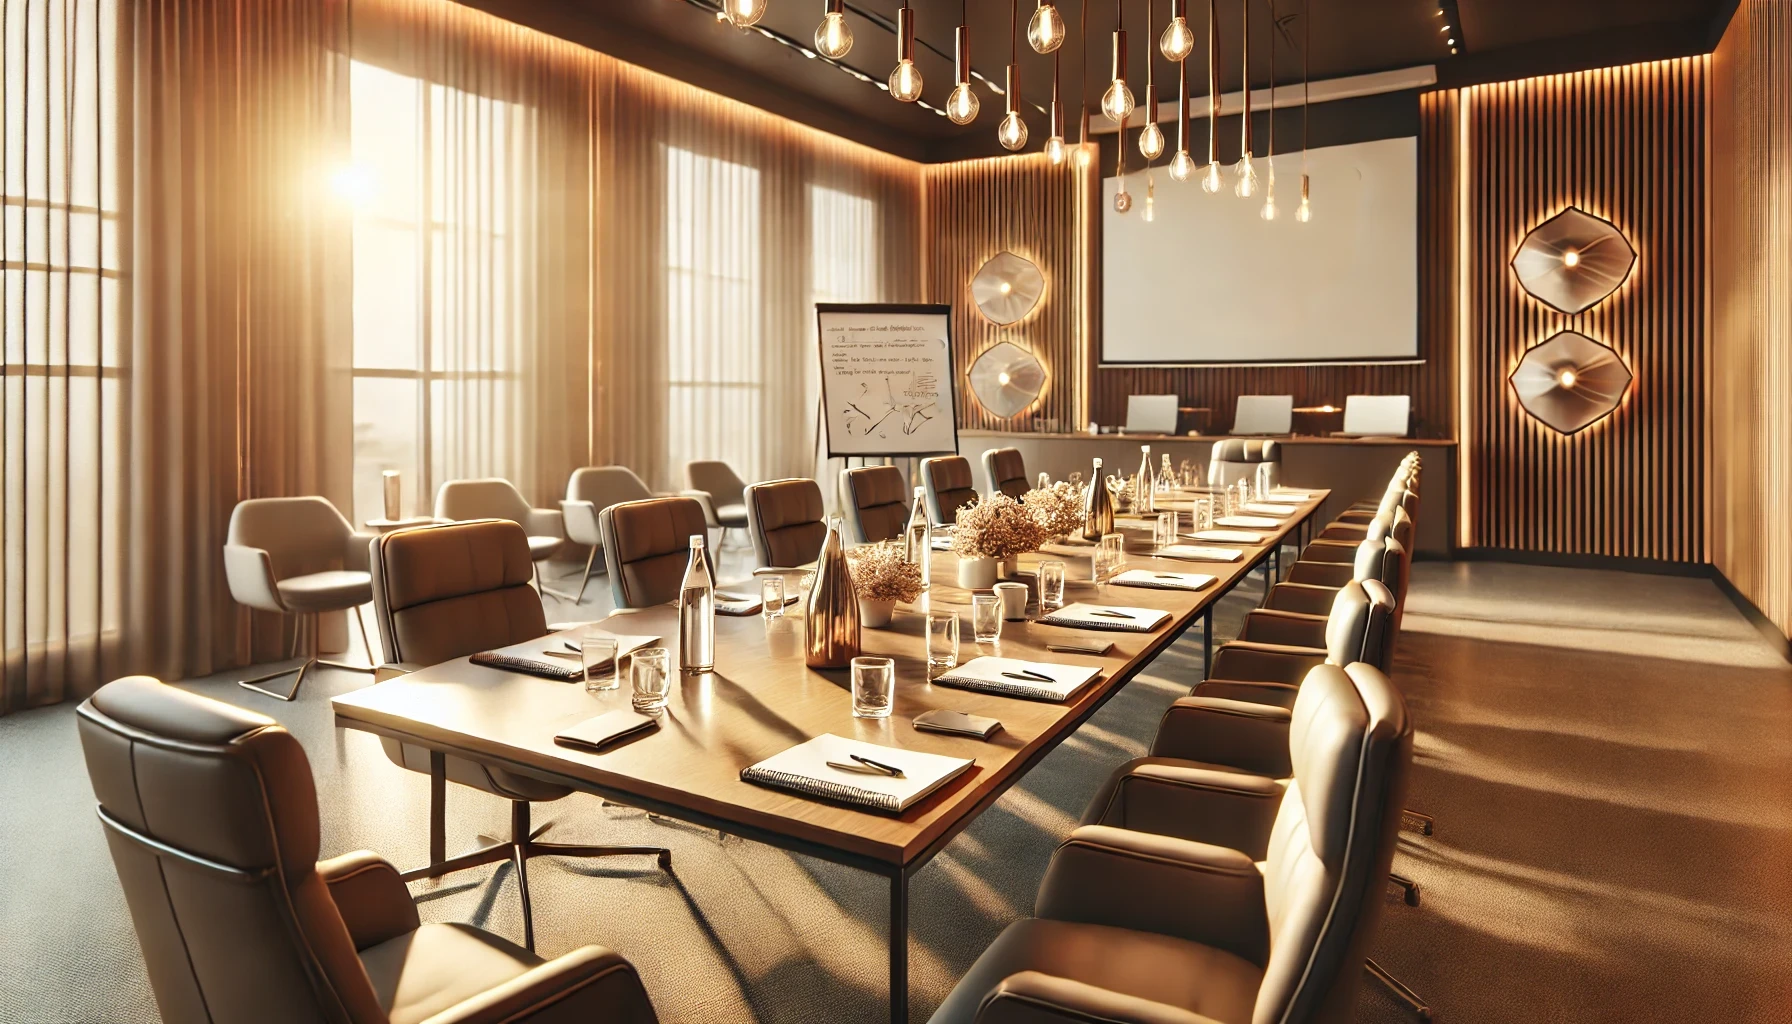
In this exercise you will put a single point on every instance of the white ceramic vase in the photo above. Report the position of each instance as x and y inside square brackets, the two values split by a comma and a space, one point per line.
[876, 612]
[976, 573]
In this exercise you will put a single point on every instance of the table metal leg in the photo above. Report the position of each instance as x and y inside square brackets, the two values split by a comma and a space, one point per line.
[438, 798]
[899, 948]
[1207, 642]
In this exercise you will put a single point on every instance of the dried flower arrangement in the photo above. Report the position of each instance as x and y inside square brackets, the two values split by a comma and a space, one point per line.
[882, 572]
[1058, 508]
[996, 527]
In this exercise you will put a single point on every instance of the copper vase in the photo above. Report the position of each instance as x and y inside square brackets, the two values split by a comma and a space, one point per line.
[831, 614]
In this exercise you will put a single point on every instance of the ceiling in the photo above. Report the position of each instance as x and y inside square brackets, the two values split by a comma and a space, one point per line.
[1498, 39]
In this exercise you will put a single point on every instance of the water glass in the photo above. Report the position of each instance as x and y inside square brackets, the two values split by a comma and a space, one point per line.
[771, 597]
[942, 640]
[1110, 556]
[597, 650]
[1203, 514]
[1163, 532]
[648, 668]
[1051, 585]
[1263, 480]
[873, 686]
[986, 618]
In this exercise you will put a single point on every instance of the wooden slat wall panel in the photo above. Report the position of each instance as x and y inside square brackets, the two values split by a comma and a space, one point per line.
[1627, 144]
[976, 209]
[1751, 298]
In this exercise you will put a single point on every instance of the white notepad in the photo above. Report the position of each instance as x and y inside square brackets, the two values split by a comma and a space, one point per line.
[1284, 494]
[1198, 553]
[1123, 618]
[1229, 536]
[1260, 522]
[803, 769]
[1162, 580]
[565, 646]
[985, 676]
[1267, 508]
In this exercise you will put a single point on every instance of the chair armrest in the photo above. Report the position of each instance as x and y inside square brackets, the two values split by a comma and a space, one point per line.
[1324, 550]
[394, 669]
[360, 551]
[1188, 800]
[1031, 997]
[1240, 734]
[1323, 574]
[544, 522]
[1359, 516]
[1288, 629]
[1112, 876]
[370, 896]
[1303, 598]
[580, 520]
[1263, 663]
[1279, 695]
[588, 984]
[250, 574]
[707, 501]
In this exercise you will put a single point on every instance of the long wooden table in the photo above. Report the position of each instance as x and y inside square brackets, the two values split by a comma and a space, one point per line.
[761, 699]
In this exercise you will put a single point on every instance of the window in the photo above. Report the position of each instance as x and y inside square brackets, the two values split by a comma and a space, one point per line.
[437, 175]
[61, 405]
[714, 345]
[843, 256]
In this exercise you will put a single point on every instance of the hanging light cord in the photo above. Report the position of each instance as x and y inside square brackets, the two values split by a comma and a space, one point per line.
[1013, 32]
[1082, 102]
[1274, 30]
[1306, 80]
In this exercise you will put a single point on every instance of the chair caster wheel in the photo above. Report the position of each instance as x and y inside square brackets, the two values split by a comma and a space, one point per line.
[665, 859]
[1412, 896]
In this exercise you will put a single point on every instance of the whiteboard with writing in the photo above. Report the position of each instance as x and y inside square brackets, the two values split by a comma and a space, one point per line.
[887, 383]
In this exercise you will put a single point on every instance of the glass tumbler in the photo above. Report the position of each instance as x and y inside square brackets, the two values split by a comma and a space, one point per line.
[597, 651]
[1163, 533]
[771, 597]
[986, 618]
[873, 686]
[1051, 585]
[1110, 556]
[652, 681]
[942, 640]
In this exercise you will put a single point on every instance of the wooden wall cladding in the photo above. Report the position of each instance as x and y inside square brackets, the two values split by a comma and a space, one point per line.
[1432, 383]
[1023, 204]
[1751, 300]
[1626, 144]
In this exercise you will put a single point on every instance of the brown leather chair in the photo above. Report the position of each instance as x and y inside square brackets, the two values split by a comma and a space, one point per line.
[1352, 527]
[211, 817]
[1150, 928]
[1338, 549]
[1277, 649]
[876, 502]
[784, 521]
[1311, 586]
[647, 546]
[947, 480]
[444, 592]
[1007, 472]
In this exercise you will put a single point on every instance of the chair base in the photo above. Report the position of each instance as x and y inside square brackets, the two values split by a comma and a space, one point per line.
[1398, 990]
[1410, 887]
[308, 626]
[1420, 823]
[523, 845]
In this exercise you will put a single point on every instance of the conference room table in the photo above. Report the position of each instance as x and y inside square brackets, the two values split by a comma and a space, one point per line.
[761, 699]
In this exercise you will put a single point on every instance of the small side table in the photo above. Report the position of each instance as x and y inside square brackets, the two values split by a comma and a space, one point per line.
[388, 525]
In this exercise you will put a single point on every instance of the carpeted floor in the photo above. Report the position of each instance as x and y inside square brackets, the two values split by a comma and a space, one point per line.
[1609, 758]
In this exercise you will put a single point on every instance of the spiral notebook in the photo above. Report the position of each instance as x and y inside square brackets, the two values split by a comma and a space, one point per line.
[1107, 616]
[1162, 580]
[1263, 522]
[998, 676]
[1229, 536]
[554, 656]
[1198, 553]
[804, 770]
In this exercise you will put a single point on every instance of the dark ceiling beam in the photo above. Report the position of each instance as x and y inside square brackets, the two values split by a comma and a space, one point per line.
[1579, 53]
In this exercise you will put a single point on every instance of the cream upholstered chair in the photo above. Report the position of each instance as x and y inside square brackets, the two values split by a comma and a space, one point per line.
[444, 592]
[590, 491]
[298, 556]
[210, 813]
[498, 498]
[1235, 459]
[947, 482]
[722, 494]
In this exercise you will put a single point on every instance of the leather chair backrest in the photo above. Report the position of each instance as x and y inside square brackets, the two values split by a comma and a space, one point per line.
[784, 519]
[947, 479]
[1234, 459]
[447, 591]
[211, 817]
[1007, 472]
[647, 545]
[488, 498]
[604, 486]
[718, 479]
[1356, 628]
[300, 535]
[876, 503]
[1332, 842]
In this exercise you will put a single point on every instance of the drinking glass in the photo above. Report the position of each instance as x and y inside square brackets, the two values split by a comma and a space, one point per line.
[1110, 556]
[1203, 514]
[873, 686]
[986, 618]
[771, 597]
[652, 681]
[1051, 585]
[942, 640]
[1263, 479]
[597, 650]
[1163, 533]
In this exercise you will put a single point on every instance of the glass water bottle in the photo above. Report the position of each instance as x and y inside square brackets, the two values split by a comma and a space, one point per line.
[1143, 491]
[919, 535]
[697, 613]
[1098, 508]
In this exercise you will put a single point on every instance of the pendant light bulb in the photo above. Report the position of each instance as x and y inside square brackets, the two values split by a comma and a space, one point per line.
[1247, 178]
[962, 105]
[1083, 156]
[1045, 32]
[1269, 210]
[1182, 166]
[1117, 102]
[1151, 141]
[833, 37]
[1177, 41]
[905, 80]
[1210, 182]
[1150, 198]
[1304, 212]
[1013, 131]
[744, 13]
[1054, 149]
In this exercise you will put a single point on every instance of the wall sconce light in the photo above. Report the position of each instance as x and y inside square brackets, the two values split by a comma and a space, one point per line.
[1573, 261]
[1570, 382]
[1007, 288]
[1007, 379]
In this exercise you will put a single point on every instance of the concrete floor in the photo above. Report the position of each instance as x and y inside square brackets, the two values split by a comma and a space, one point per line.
[1609, 758]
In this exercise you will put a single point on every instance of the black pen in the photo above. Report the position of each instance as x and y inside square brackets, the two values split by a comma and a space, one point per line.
[1110, 614]
[1028, 673]
[879, 765]
[1169, 576]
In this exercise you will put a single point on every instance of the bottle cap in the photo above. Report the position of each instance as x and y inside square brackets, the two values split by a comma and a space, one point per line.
[697, 540]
